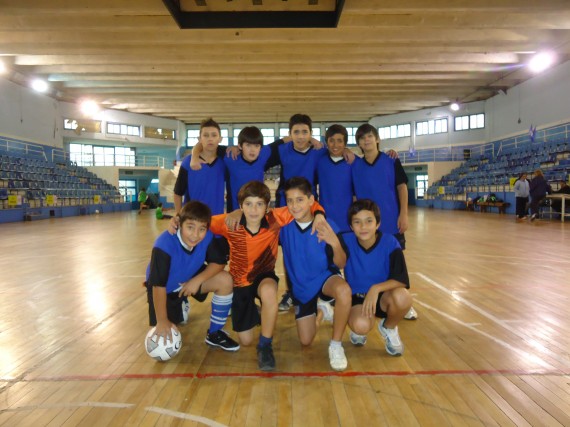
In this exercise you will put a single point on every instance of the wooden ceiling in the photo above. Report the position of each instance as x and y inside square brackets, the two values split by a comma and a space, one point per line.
[385, 56]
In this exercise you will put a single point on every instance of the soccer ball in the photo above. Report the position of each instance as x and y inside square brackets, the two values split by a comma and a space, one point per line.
[158, 349]
[96, 211]
[185, 312]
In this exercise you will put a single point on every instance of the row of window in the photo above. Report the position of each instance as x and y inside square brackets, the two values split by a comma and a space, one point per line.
[428, 127]
[94, 126]
[93, 155]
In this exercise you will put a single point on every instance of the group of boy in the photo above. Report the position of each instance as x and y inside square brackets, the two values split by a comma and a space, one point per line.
[315, 249]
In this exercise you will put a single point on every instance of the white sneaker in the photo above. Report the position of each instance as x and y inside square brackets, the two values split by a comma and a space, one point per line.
[337, 358]
[356, 339]
[394, 345]
[327, 309]
[411, 314]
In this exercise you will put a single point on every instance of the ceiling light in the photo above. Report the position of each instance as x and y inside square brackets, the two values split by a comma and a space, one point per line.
[3, 68]
[454, 106]
[89, 107]
[541, 61]
[39, 85]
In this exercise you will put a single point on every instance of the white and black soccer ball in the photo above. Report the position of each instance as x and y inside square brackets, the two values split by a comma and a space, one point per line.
[158, 349]
[185, 312]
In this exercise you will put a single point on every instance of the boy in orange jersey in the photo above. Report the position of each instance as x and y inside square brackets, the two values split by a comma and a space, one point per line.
[253, 253]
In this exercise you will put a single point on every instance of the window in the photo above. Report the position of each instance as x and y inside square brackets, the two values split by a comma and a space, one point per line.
[82, 125]
[225, 134]
[89, 155]
[395, 131]
[431, 126]
[351, 132]
[268, 135]
[283, 132]
[317, 133]
[128, 189]
[474, 121]
[192, 137]
[421, 185]
[159, 133]
[122, 129]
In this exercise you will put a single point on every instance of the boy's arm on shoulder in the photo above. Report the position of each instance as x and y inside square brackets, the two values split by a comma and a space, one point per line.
[218, 225]
[284, 217]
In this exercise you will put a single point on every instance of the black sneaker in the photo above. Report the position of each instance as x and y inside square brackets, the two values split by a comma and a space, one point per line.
[221, 339]
[286, 302]
[265, 358]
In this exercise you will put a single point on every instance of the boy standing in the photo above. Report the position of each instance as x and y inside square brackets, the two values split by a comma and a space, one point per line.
[207, 184]
[377, 274]
[177, 270]
[335, 178]
[143, 197]
[313, 263]
[253, 253]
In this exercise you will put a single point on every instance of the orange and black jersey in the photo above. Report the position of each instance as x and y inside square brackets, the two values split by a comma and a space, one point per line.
[252, 254]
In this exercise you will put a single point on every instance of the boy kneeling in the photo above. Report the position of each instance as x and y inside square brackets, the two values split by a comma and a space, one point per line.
[177, 270]
[376, 271]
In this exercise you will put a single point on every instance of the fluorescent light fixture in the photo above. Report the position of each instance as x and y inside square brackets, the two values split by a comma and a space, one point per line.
[454, 106]
[89, 107]
[39, 85]
[3, 68]
[541, 61]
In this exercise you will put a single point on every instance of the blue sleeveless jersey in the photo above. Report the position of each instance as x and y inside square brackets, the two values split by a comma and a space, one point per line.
[206, 185]
[335, 189]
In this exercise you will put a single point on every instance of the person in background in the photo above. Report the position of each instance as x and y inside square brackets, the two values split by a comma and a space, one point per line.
[159, 214]
[143, 199]
[521, 188]
[538, 190]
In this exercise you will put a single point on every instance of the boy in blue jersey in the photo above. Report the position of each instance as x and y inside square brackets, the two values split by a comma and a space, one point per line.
[207, 184]
[335, 177]
[382, 179]
[313, 263]
[376, 272]
[177, 270]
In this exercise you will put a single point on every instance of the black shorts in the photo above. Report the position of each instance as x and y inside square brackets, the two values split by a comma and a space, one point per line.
[358, 299]
[244, 310]
[401, 238]
[310, 307]
[173, 305]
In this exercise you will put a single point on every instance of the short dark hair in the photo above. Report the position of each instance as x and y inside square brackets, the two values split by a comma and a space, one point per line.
[363, 130]
[254, 189]
[251, 135]
[363, 205]
[209, 123]
[298, 183]
[334, 129]
[300, 119]
[159, 204]
[196, 211]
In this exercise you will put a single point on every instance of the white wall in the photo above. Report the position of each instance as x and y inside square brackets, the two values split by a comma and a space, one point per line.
[544, 101]
[28, 115]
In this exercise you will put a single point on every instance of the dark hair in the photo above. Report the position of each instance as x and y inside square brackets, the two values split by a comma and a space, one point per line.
[209, 123]
[251, 135]
[334, 129]
[159, 204]
[196, 211]
[300, 119]
[298, 183]
[254, 189]
[363, 205]
[363, 130]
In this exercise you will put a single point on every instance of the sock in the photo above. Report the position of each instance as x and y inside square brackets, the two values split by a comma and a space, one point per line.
[264, 341]
[221, 306]
[335, 343]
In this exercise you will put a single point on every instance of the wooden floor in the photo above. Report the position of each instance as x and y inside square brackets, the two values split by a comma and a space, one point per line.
[491, 346]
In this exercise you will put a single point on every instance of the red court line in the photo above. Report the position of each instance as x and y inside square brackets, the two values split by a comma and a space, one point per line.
[346, 374]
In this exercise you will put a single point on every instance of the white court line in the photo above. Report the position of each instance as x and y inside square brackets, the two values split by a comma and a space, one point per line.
[184, 416]
[532, 342]
[70, 405]
[523, 353]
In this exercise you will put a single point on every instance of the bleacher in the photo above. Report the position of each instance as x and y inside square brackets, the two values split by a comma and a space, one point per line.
[492, 174]
[32, 187]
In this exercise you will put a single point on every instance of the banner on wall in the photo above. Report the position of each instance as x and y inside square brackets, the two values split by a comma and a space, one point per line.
[441, 190]
[97, 199]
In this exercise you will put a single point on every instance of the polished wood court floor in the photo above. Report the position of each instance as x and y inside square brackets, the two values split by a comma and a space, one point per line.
[491, 345]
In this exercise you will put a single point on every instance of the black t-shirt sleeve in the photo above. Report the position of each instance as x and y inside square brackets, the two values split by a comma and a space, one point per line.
[401, 177]
[159, 268]
[274, 159]
[398, 269]
[329, 250]
[218, 251]
[181, 182]
[343, 244]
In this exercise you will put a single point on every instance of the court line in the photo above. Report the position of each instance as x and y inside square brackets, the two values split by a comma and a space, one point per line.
[326, 374]
[532, 342]
[185, 416]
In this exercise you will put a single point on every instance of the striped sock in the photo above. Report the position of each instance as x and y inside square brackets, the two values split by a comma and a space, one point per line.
[220, 308]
